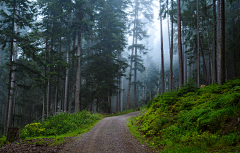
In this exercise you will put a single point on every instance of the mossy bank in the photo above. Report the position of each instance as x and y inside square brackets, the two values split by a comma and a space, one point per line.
[192, 119]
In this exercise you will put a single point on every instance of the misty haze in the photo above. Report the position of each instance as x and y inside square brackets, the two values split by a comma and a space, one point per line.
[119, 76]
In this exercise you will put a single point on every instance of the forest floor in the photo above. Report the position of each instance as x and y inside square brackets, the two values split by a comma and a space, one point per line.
[111, 134]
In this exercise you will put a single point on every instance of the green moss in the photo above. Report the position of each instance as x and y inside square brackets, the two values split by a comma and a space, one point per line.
[193, 120]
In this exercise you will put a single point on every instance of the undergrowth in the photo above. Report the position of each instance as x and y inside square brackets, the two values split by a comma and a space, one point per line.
[59, 126]
[2, 140]
[194, 120]
[60, 123]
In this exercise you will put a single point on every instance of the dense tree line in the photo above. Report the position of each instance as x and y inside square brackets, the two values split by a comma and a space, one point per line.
[64, 55]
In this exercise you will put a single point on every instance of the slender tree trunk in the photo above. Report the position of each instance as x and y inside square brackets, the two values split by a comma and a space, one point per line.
[109, 103]
[204, 63]
[222, 43]
[66, 81]
[180, 46]
[9, 75]
[49, 82]
[12, 83]
[214, 69]
[72, 76]
[185, 66]
[209, 70]
[168, 29]
[45, 82]
[135, 65]
[49, 94]
[234, 54]
[43, 110]
[198, 47]
[122, 96]
[57, 85]
[162, 57]
[119, 95]
[150, 94]
[171, 55]
[218, 39]
[130, 71]
[78, 85]
[97, 105]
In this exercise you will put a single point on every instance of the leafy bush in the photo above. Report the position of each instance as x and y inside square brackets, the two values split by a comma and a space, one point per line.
[59, 124]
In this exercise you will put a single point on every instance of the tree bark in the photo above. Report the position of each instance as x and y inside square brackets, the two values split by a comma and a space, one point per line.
[66, 81]
[12, 82]
[57, 85]
[122, 96]
[222, 43]
[78, 85]
[179, 46]
[185, 66]
[49, 81]
[10, 74]
[72, 76]
[162, 57]
[135, 65]
[130, 71]
[214, 69]
[49, 93]
[171, 55]
[204, 63]
[198, 47]
[218, 39]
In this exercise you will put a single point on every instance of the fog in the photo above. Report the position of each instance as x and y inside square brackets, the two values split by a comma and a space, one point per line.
[153, 43]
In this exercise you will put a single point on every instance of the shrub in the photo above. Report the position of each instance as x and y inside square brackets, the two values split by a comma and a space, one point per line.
[59, 124]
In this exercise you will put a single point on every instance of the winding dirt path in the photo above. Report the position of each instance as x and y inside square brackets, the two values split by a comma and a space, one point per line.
[110, 135]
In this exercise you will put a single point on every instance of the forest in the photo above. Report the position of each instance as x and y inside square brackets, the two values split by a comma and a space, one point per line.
[95, 55]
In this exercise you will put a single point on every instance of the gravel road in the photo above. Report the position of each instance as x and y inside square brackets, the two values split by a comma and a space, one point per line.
[110, 135]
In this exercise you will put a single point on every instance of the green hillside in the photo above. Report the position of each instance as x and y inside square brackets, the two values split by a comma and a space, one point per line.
[192, 119]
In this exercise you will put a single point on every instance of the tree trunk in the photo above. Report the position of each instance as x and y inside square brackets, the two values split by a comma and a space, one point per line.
[162, 57]
[122, 96]
[49, 94]
[66, 81]
[179, 46]
[9, 77]
[130, 71]
[12, 82]
[135, 65]
[222, 43]
[57, 85]
[185, 66]
[171, 55]
[214, 69]
[218, 39]
[72, 76]
[45, 83]
[234, 55]
[49, 81]
[168, 29]
[204, 63]
[78, 85]
[198, 47]
[119, 95]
